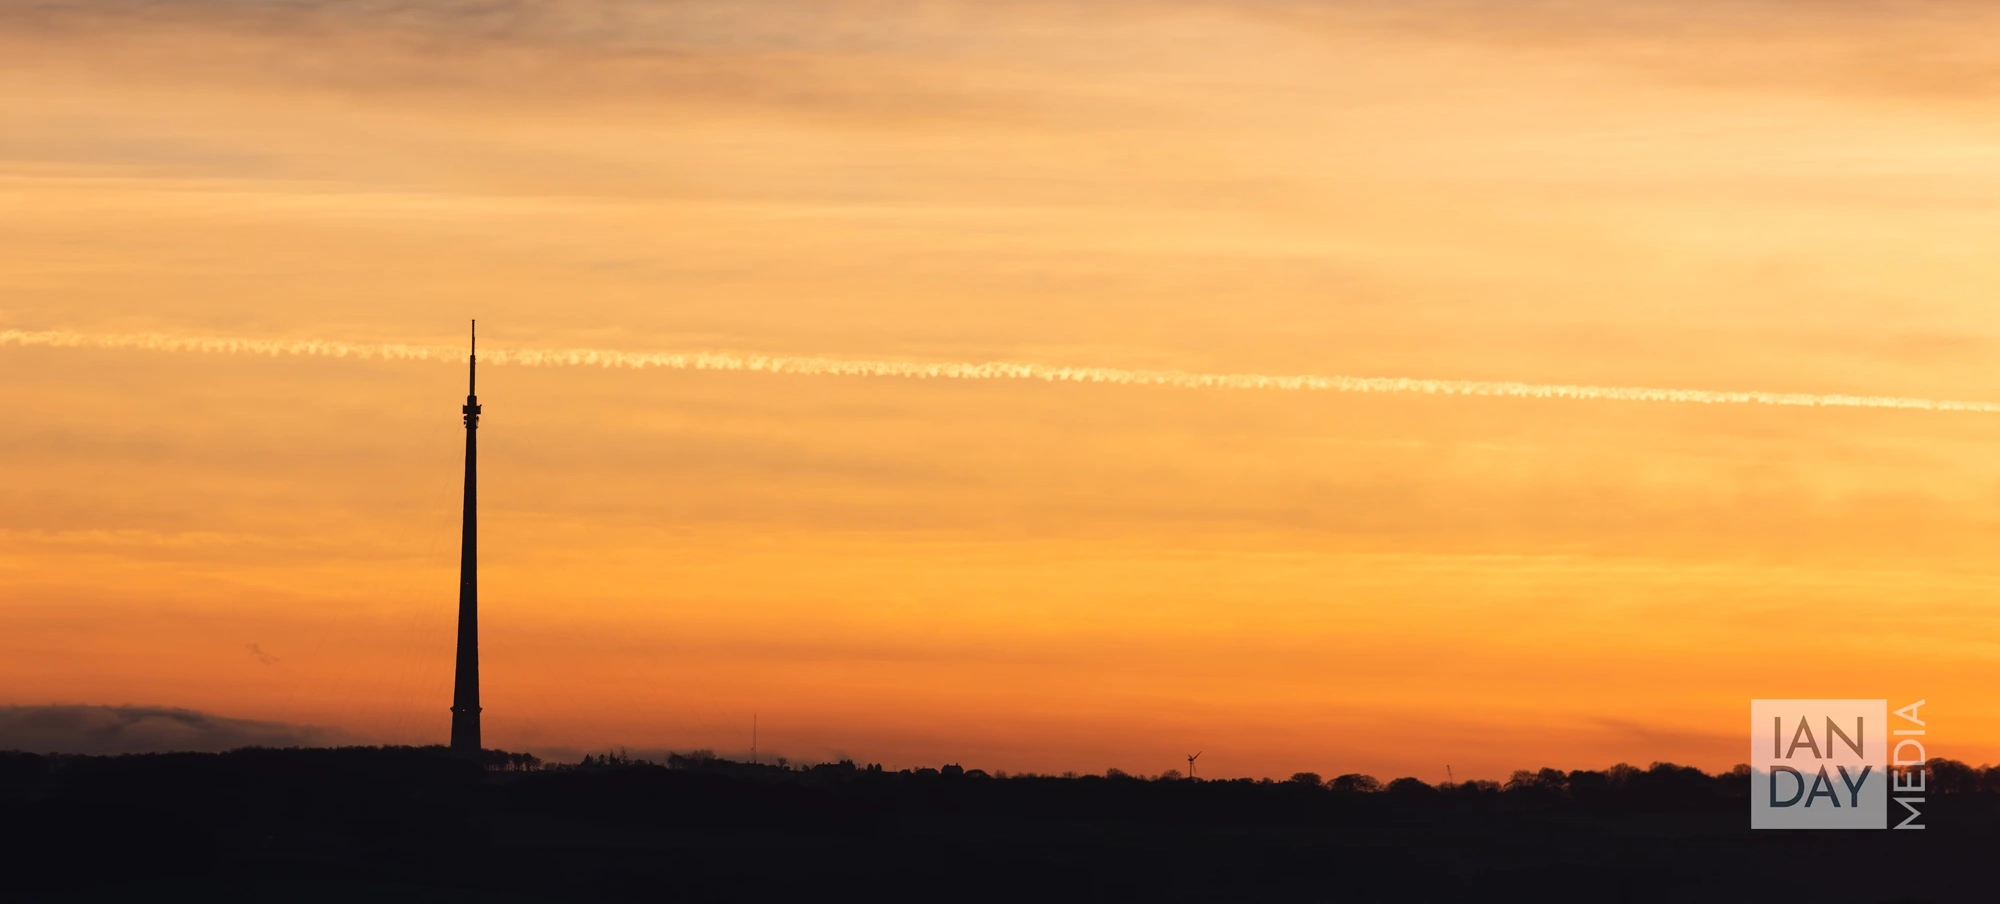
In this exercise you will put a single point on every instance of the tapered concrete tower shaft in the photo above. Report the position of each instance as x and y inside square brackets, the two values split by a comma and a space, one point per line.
[465, 691]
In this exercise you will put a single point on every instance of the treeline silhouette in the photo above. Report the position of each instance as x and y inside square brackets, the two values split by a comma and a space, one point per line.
[405, 823]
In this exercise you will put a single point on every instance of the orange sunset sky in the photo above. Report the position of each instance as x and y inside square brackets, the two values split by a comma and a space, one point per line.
[1785, 196]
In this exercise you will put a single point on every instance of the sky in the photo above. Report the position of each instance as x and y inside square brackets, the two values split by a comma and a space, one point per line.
[1021, 575]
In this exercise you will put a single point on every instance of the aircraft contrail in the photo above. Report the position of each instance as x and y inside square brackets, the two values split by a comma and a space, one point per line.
[988, 370]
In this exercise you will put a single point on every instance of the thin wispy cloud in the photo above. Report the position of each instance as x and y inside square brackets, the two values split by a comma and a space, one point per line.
[967, 370]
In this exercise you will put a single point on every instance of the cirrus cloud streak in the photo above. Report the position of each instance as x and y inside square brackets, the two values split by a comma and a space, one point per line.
[981, 370]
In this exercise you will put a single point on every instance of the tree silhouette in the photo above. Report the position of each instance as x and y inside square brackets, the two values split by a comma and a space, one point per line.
[339, 823]
[1354, 782]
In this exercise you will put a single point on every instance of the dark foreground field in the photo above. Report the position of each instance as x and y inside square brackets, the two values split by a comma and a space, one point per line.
[413, 824]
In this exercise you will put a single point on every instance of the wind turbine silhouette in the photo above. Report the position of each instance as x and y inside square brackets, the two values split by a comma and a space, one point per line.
[1191, 758]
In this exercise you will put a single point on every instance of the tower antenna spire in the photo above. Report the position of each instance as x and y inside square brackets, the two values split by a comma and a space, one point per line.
[465, 688]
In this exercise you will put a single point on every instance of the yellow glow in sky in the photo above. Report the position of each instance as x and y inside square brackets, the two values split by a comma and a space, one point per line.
[1724, 196]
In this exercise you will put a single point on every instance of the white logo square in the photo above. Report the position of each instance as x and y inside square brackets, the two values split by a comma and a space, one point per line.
[1819, 764]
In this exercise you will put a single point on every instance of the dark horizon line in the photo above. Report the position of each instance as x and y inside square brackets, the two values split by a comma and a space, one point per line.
[707, 759]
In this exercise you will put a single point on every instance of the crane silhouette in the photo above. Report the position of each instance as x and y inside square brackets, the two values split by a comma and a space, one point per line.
[1191, 758]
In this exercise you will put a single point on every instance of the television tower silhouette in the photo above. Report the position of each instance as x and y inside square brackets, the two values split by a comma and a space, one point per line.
[465, 689]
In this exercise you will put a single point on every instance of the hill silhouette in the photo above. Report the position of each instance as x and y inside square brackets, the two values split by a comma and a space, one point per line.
[416, 824]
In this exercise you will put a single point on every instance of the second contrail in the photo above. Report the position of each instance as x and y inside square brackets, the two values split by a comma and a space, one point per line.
[989, 370]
